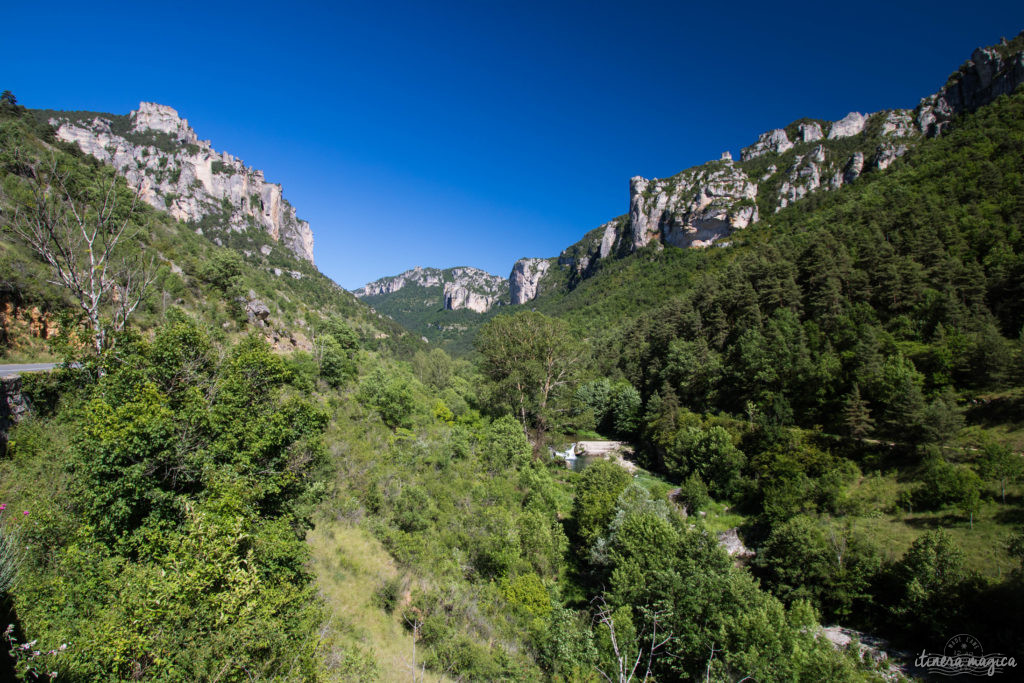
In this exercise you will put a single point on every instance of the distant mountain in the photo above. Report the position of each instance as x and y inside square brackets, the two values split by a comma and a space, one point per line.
[440, 305]
[460, 288]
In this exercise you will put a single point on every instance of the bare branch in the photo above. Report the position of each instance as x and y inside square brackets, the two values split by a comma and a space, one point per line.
[84, 245]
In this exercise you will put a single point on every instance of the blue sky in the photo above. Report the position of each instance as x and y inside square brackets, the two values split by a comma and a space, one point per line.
[476, 133]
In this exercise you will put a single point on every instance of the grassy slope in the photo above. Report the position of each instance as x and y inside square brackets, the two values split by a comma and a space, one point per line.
[349, 565]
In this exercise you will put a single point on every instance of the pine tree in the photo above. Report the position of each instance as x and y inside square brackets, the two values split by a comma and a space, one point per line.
[856, 415]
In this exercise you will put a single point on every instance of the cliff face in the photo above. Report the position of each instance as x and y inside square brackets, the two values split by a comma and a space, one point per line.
[159, 153]
[422, 277]
[694, 208]
[989, 73]
[705, 204]
[461, 288]
[474, 289]
[525, 278]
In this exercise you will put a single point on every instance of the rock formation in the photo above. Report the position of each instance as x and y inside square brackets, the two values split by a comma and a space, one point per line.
[159, 154]
[14, 406]
[852, 124]
[775, 141]
[989, 73]
[525, 278]
[694, 208]
[422, 277]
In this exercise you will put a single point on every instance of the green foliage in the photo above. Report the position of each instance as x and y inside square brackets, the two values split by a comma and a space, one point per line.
[596, 493]
[223, 271]
[434, 369]
[190, 484]
[388, 594]
[693, 493]
[530, 358]
[832, 568]
[390, 393]
[337, 365]
[527, 592]
[12, 554]
[568, 647]
[946, 483]
[711, 455]
[507, 446]
[930, 577]
[1001, 465]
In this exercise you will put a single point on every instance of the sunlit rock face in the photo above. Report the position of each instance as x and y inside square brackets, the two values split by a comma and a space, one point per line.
[525, 279]
[989, 73]
[159, 154]
[693, 209]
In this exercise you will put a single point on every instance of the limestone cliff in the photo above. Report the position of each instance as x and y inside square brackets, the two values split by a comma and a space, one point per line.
[159, 153]
[703, 205]
[694, 208]
[422, 277]
[989, 73]
[524, 282]
[461, 288]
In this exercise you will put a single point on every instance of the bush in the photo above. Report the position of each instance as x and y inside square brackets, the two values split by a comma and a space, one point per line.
[388, 594]
[391, 395]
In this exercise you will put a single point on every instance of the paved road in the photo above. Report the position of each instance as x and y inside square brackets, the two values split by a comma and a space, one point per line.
[25, 367]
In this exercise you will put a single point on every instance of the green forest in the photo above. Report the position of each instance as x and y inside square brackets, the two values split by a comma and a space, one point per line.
[199, 493]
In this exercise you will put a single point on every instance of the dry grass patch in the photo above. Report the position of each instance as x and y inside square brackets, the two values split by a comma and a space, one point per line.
[350, 565]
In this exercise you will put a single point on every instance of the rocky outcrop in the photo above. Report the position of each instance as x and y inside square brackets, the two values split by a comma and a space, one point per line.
[989, 73]
[803, 178]
[458, 296]
[851, 171]
[462, 287]
[898, 123]
[890, 663]
[733, 545]
[160, 155]
[257, 312]
[596, 245]
[17, 322]
[775, 141]
[525, 278]
[693, 209]
[810, 132]
[852, 124]
[473, 289]
[887, 154]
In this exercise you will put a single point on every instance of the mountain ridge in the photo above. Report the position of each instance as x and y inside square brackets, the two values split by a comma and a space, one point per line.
[162, 157]
[704, 205]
